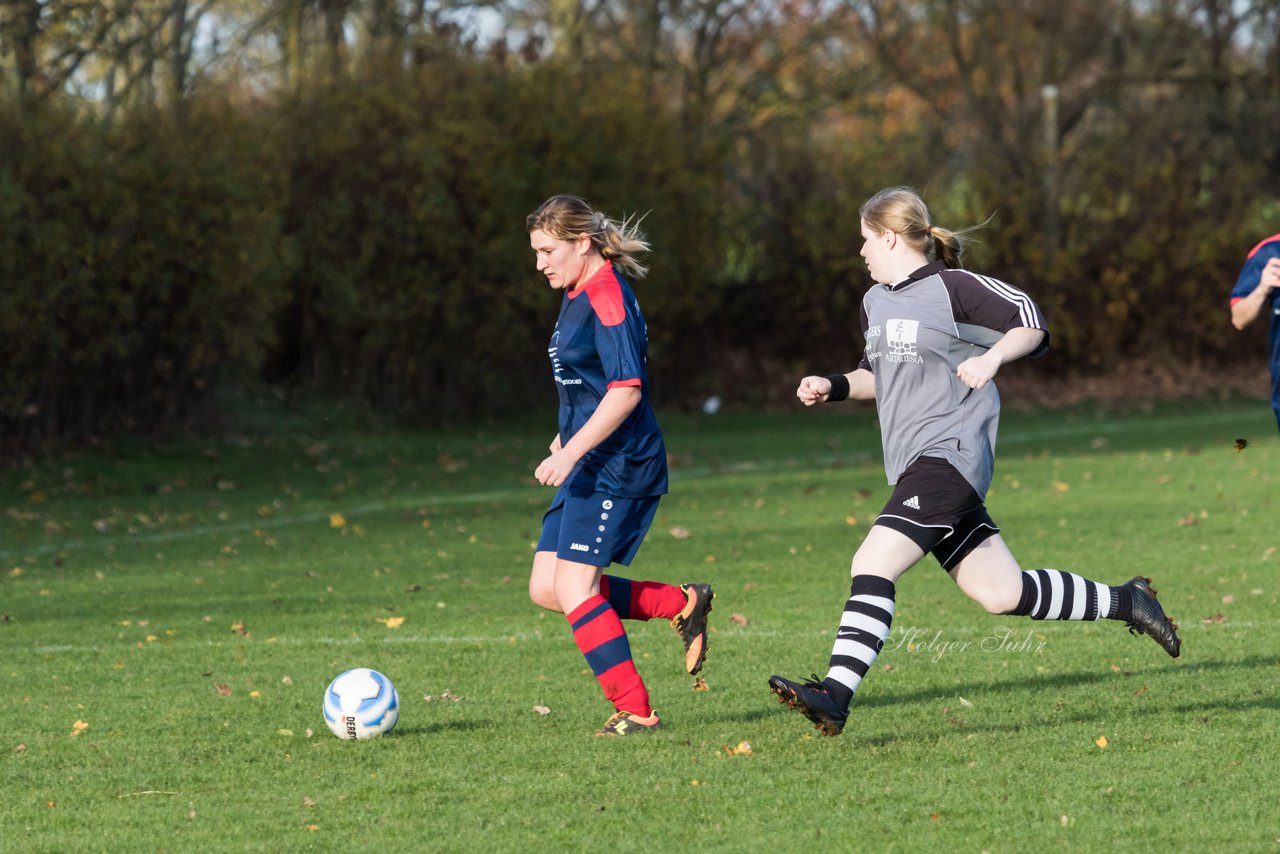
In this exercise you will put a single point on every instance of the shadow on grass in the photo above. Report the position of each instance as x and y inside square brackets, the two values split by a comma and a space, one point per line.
[1070, 680]
[957, 722]
[435, 729]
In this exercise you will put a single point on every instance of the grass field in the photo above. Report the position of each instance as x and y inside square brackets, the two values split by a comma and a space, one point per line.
[169, 619]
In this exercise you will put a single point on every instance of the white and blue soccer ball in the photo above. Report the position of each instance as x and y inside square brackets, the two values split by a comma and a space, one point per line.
[360, 703]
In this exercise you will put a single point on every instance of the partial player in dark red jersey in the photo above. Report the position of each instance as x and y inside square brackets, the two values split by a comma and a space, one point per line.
[1257, 293]
[608, 460]
[935, 337]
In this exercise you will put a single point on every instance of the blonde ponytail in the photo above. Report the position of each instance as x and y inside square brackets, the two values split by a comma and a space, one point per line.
[564, 217]
[902, 211]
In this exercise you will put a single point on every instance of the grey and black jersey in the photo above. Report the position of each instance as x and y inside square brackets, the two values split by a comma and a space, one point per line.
[917, 333]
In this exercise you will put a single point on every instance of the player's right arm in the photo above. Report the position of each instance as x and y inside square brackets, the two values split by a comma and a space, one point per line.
[862, 386]
[1246, 309]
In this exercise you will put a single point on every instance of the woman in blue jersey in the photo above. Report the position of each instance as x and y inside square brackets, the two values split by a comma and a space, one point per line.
[608, 460]
[935, 337]
[1257, 293]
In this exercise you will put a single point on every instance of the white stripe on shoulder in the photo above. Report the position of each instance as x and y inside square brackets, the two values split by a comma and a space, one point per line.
[1026, 308]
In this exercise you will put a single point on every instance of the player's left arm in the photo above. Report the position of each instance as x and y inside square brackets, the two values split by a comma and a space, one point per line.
[998, 316]
[1014, 344]
[617, 403]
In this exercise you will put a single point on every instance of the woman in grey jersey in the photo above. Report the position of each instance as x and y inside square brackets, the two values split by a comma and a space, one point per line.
[935, 337]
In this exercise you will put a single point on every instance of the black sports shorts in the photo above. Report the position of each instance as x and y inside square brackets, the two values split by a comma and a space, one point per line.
[938, 510]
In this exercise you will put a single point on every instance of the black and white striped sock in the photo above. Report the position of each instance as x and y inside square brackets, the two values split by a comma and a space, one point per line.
[864, 625]
[1051, 594]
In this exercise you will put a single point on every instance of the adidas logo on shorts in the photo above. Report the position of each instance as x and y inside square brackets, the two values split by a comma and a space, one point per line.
[913, 502]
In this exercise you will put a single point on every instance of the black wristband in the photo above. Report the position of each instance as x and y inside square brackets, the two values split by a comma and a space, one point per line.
[839, 388]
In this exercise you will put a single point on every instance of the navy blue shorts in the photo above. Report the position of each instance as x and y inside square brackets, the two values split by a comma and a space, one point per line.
[593, 528]
[938, 510]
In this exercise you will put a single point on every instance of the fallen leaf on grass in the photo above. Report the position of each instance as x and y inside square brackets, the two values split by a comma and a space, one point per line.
[742, 748]
[1102, 742]
[966, 703]
[680, 532]
[19, 748]
[392, 622]
[1215, 619]
[446, 696]
[78, 727]
[224, 689]
[337, 520]
[1189, 519]
[542, 710]
[739, 620]
[450, 463]
[700, 684]
[308, 801]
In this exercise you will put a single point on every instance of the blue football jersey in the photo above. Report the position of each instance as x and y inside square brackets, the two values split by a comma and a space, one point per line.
[1249, 278]
[601, 342]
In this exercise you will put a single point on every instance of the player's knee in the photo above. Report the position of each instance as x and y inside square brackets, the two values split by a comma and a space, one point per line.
[543, 595]
[996, 601]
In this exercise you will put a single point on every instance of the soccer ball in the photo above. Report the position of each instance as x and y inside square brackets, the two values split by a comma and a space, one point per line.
[360, 704]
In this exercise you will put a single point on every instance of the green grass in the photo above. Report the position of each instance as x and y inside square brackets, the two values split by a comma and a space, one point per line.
[137, 589]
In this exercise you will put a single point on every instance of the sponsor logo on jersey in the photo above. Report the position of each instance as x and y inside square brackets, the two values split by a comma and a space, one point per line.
[902, 337]
[553, 349]
[579, 547]
[913, 502]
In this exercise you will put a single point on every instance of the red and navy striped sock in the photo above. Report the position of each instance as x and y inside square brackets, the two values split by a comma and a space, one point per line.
[642, 600]
[598, 632]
